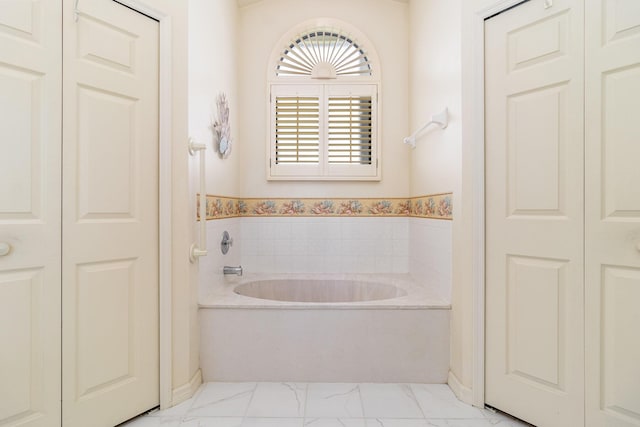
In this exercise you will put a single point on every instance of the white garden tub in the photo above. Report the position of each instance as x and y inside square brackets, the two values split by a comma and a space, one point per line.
[324, 328]
[324, 291]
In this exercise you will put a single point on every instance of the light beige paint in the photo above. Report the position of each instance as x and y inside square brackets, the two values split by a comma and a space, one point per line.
[212, 59]
[435, 82]
[462, 290]
[243, 3]
[434, 78]
[261, 25]
[213, 53]
[184, 305]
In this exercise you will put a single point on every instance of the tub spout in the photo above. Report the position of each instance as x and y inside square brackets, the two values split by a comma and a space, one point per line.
[232, 270]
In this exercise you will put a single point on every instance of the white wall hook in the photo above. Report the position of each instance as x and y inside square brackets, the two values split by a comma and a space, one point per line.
[441, 119]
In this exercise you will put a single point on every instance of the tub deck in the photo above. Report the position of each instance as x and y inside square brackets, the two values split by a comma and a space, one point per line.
[222, 295]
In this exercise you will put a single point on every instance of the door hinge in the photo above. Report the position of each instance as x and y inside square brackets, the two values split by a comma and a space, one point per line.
[376, 163]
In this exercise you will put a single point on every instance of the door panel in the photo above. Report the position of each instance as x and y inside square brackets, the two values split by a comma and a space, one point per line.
[534, 286]
[535, 190]
[620, 148]
[105, 147]
[110, 215]
[612, 212]
[534, 213]
[30, 146]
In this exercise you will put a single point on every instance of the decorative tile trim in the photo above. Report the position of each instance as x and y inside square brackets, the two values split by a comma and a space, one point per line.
[435, 206]
[326, 207]
[220, 207]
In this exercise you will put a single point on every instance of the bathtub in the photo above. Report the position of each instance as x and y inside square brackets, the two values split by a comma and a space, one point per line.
[323, 328]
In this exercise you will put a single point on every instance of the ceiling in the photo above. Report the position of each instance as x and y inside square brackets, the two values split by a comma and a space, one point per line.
[243, 3]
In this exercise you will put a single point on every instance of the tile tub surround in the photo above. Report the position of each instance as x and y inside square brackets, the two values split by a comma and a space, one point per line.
[324, 405]
[434, 238]
[416, 246]
[394, 340]
[325, 245]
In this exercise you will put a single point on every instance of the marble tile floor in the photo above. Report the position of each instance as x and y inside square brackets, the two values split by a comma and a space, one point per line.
[323, 405]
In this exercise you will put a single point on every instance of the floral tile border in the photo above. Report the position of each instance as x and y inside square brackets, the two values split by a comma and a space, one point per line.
[219, 207]
[435, 206]
[326, 207]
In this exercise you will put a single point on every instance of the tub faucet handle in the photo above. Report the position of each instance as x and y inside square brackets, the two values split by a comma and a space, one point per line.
[226, 243]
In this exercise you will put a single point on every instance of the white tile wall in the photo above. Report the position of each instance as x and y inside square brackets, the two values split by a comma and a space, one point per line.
[325, 245]
[430, 249]
[211, 265]
[421, 247]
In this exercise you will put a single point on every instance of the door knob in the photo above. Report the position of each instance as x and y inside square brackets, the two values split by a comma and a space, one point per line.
[5, 248]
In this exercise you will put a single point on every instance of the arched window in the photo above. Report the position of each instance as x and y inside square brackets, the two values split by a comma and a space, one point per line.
[323, 54]
[323, 106]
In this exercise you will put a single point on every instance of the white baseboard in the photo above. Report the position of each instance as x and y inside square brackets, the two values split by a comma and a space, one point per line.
[186, 391]
[462, 392]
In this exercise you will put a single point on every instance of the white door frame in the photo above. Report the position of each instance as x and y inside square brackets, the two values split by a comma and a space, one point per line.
[164, 202]
[478, 205]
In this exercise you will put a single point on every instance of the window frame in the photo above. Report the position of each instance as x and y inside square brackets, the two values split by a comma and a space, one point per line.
[339, 86]
[324, 170]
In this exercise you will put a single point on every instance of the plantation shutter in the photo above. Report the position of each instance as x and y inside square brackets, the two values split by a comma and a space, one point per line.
[323, 53]
[323, 132]
[296, 131]
[350, 131]
[297, 128]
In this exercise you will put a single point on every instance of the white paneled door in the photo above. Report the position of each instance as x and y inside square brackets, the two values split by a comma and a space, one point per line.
[534, 212]
[110, 214]
[613, 212]
[30, 120]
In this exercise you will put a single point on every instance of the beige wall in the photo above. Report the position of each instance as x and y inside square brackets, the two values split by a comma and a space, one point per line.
[434, 76]
[436, 163]
[213, 70]
[207, 47]
[184, 275]
[184, 363]
[464, 230]
[261, 25]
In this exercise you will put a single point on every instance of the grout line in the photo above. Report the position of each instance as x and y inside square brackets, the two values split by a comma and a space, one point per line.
[361, 400]
[415, 399]
[246, 410]
[306, 402]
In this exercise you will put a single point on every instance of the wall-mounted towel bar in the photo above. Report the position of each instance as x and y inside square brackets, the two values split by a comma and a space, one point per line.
[441, 119]
[201, 250]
